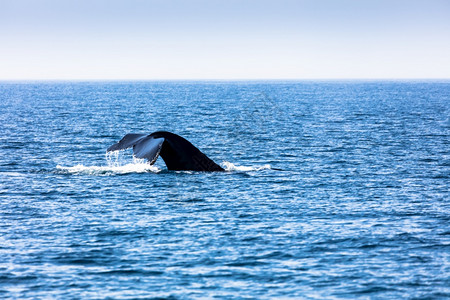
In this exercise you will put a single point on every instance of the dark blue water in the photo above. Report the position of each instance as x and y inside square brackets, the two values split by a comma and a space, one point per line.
[333, 190]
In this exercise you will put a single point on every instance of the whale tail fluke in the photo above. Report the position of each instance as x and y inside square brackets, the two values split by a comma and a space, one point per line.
[178, 153]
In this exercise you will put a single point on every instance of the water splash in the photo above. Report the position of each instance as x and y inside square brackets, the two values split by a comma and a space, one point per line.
[119, 158]
[116, 163]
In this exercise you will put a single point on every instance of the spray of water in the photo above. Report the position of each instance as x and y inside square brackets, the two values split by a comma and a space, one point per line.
[116, 163]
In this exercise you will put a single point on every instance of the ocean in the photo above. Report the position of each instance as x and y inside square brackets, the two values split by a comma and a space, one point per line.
[333, 190]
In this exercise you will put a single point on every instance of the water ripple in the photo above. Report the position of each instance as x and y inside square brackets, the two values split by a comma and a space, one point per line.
[332, 190]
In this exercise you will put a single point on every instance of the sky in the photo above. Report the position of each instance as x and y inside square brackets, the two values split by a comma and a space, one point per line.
[227, 39]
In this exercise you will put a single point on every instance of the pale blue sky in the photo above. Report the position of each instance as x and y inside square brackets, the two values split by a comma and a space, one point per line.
[210, 39]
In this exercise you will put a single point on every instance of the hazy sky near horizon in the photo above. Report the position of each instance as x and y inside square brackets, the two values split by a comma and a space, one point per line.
[212, 39]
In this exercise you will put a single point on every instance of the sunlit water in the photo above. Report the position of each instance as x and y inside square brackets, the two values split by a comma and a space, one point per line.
[332, 190]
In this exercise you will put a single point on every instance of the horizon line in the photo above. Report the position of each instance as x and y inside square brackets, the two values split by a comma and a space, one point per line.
[218, 79]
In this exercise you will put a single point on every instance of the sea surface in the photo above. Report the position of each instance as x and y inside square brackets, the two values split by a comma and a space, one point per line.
[333, 190]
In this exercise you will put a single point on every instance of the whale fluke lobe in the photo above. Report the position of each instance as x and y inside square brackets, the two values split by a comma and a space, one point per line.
[127, 141]
[177, 152]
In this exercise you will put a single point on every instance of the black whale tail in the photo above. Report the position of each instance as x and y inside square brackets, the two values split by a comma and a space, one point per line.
[178, 153]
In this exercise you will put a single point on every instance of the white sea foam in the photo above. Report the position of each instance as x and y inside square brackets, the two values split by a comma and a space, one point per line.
[228, 166]
[117, 163]
[99, 170]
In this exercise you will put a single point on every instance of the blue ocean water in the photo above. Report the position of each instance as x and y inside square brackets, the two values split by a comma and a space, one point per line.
[333, 190]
